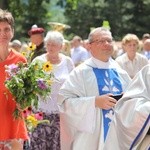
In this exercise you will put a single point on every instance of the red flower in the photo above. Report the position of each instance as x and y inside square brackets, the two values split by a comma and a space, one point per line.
[39, 116]
[27, 112]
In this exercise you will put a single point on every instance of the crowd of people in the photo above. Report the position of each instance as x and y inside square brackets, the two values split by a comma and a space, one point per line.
[83, 107]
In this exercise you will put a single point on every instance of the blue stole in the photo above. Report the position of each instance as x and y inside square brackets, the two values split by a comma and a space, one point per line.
[108, 82]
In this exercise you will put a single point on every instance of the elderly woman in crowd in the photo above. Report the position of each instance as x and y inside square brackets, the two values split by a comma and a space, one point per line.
[47, 136]
[131, 61]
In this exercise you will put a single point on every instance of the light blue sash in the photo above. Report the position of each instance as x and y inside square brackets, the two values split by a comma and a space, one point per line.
[108, 82]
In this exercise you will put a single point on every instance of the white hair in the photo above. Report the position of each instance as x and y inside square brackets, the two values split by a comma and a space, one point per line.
[54, 36]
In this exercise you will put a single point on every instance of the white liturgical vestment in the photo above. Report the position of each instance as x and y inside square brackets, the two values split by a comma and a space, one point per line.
[131, 123]
[81, 122]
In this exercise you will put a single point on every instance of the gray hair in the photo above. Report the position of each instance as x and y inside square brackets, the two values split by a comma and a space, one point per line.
[54, 36]
[97, 32]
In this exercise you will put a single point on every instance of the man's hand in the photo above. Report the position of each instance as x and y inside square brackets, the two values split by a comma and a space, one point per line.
[105, 101]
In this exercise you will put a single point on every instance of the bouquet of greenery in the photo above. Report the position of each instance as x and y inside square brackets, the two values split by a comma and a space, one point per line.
[28, 81]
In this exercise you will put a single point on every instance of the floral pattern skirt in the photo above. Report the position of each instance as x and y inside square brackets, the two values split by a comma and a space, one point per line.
[46, 136]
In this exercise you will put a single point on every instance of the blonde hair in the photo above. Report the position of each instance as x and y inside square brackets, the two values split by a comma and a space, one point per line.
[130, 37]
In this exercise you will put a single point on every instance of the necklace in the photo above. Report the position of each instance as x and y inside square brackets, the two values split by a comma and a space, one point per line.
[54, 60]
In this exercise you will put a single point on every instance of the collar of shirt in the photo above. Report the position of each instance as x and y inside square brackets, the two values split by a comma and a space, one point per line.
[127, 58]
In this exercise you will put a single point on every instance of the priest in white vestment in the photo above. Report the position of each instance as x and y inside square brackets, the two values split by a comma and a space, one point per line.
[85, 102]
[130, 128]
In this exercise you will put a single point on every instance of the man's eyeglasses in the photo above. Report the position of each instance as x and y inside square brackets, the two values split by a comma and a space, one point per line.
[101, 41]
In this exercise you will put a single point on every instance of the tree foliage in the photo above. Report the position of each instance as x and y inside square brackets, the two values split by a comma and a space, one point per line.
[128, 16]
[36, 13]
[124, 16]
[28, 13]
